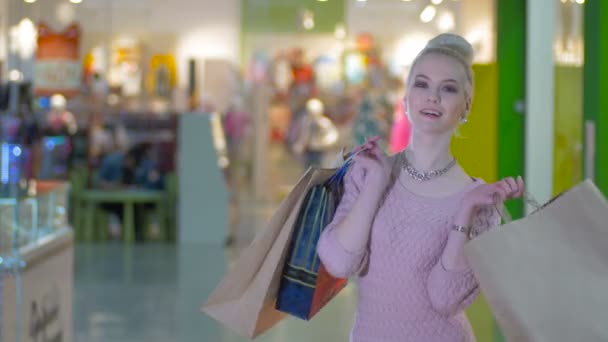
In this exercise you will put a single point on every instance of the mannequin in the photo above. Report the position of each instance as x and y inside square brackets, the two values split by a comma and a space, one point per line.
[318, 134]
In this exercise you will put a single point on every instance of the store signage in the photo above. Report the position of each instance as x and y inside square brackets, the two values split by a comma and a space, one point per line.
[45, 317]
[42, 309]
[57, 67]
[53, 77]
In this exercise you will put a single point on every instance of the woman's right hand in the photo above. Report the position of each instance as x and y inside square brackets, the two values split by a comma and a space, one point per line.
[376, 166]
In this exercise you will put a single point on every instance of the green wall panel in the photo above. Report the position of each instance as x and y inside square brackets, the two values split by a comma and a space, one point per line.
[595, 100]
[511, 59]
[281, 16]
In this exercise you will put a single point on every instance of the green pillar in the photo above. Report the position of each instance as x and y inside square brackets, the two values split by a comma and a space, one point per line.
[595, 83]
[511, 60]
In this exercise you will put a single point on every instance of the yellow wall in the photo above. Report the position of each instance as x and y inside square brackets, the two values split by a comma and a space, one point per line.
[568, 167]
[476, 147]
[476, 150]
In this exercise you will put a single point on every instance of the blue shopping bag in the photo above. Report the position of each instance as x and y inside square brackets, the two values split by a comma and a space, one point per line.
[305, 284]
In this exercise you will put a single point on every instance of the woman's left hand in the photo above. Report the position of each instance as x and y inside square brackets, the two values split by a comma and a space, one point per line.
[494, 193]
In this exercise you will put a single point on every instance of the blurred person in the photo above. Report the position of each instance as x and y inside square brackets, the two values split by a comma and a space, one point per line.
[100, 140]
[29, 136]
[134, 169]
[373, 117]
[403, 220]
[301, 90]
[317, 134]
[374, 113]
[60, 121]
[236, 124]
[279, 118]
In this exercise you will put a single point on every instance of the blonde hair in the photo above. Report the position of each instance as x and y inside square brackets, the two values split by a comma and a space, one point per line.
[454, 46]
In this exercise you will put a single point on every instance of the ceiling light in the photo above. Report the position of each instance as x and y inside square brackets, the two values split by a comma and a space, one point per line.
[436, 2]
[15, 76]
[428, 13]
[446, 21]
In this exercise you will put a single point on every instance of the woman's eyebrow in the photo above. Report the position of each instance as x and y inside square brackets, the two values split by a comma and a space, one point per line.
[443, 81]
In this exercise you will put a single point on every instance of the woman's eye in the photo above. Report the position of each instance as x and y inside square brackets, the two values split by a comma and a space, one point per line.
[451, 89]
[420, 84]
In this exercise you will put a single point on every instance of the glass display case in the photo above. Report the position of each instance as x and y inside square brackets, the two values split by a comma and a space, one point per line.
[38, 212]
[36, 258]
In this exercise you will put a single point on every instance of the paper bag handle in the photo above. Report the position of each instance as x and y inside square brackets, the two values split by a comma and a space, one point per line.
[528, 199]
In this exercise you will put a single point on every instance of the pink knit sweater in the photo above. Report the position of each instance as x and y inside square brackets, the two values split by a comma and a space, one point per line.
[405, 293]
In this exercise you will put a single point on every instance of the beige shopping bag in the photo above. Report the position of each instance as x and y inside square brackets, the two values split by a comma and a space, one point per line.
[546, 275]
[244, 300]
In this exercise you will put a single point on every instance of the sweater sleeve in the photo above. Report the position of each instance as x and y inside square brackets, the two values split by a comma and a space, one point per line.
[451, 292]
[339, 261]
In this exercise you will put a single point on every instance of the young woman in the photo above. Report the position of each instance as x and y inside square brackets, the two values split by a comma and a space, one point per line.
[403, 220]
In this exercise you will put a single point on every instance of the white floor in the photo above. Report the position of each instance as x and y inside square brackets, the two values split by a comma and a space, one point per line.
[152, 292]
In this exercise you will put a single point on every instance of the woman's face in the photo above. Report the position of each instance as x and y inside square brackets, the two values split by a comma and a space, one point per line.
[436, 99]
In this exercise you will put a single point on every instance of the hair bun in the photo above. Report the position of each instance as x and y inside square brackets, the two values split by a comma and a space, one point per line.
[455, 43]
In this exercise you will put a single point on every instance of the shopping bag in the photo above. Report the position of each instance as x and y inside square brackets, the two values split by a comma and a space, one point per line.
[244, 300]
[305, 284]
[546, 275]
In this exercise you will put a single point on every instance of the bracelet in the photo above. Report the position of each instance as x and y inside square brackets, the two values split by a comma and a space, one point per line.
[462, 229]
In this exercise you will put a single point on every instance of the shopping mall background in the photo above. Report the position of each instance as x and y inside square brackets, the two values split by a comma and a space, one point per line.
[219, 94]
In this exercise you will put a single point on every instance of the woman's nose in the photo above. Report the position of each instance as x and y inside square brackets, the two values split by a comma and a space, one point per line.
[433, 97]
